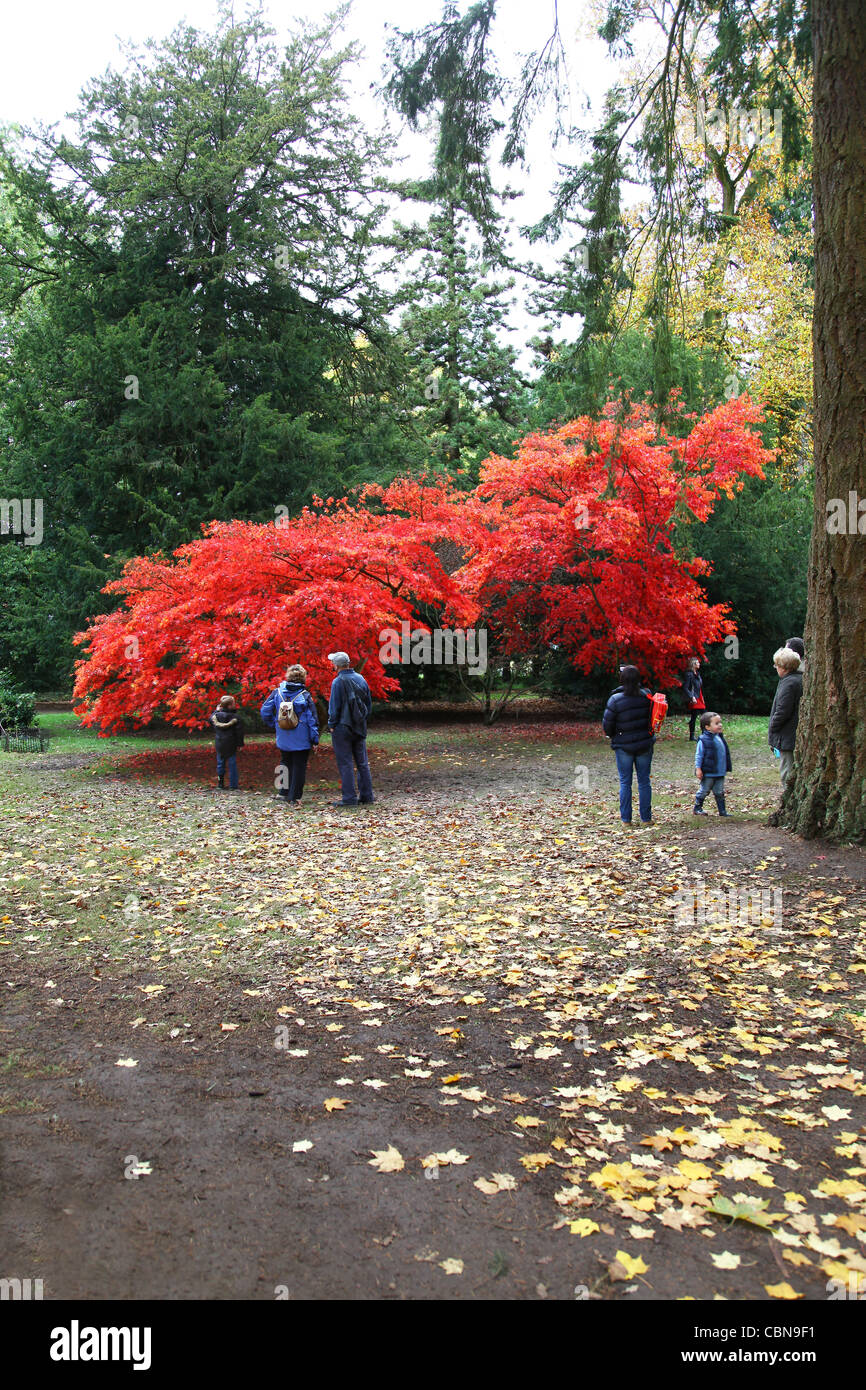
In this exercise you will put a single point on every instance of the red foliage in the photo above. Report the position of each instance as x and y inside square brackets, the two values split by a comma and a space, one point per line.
[568, 544]
[582, 556]
[243, 602]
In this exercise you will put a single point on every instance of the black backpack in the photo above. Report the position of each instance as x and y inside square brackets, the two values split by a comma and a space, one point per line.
[356, 710]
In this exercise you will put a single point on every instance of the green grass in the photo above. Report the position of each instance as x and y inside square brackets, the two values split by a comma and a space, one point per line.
[23, 1066]
[68, 735]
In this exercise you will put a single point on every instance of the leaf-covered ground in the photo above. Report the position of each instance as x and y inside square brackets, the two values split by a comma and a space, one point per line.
[471, 1041]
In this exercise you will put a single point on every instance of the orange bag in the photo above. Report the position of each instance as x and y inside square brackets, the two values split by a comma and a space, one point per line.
[659, 711]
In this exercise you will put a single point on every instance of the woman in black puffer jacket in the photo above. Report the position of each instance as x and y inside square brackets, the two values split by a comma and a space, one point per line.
[626, 722]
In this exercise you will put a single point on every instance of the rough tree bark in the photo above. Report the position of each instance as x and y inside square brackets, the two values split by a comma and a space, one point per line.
[827, 795]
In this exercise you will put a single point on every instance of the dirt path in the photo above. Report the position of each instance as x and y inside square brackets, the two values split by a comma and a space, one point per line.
[507, 989]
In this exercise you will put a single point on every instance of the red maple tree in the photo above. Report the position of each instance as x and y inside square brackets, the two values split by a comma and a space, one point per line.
[231, 610]
[582, 556]
[568, 545]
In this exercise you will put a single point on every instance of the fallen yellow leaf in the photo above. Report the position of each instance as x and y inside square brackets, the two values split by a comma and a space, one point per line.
[582, 1227]
[388, 1160]
[631, 1264]
[726, 1260]
[498, 1182]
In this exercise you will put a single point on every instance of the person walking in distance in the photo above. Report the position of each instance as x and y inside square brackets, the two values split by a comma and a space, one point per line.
[349, 709]
[693, 692]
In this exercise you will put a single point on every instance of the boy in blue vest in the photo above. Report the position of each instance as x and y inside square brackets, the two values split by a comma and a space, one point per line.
[712, 762]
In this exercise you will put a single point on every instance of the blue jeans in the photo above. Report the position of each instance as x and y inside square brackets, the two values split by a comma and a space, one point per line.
[350, 751]
[640, 763]
[716, 785]
[232, 766]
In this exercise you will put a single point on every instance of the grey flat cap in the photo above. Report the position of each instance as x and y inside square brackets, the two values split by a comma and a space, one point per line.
[339, 658]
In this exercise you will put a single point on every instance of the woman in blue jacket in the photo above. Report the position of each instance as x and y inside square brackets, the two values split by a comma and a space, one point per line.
[626, 722]
[295, 744]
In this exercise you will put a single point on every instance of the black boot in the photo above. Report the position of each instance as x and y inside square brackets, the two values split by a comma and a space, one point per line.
[720, 802]
[221, 783]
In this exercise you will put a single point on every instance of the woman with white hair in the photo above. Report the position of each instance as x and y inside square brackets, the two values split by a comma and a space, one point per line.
[782, 732]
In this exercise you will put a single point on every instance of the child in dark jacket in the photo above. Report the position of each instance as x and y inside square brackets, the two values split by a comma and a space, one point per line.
[712, 762]
[229, 737]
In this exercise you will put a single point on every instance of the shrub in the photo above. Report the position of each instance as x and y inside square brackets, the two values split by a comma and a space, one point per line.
[17, 707]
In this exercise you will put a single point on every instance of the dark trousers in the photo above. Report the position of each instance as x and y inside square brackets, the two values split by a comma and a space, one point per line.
[350, 751]
[692, 719]
[295, 761]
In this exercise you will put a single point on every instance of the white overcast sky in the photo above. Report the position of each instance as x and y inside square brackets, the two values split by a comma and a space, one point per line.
[53, 47]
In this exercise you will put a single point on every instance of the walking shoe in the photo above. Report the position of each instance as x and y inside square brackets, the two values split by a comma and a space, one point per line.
[345, 805]
[698, 811]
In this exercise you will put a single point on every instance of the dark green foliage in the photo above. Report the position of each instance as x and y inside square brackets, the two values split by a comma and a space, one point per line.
[577, 379]
[468, 395]
[184, 285]
[758, 545]
[46, 594]
[17, 707]
[448, 66]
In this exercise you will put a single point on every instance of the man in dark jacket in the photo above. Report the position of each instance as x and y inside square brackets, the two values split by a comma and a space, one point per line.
[626, 721]
[348, 711]
[229, 737]
[785, 712]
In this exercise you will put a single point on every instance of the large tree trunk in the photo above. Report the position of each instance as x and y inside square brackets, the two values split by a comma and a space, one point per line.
[827, 795]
